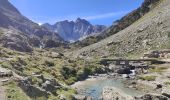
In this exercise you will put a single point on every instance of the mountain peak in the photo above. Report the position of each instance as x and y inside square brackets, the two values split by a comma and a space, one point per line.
[66, 21]
[75, 30]
[79, 20]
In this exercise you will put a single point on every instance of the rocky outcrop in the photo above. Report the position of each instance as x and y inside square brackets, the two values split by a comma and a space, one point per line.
[51, 85]
[15, 40]
[5, 73]
[151, 97]
[73, 31]
[124, 71]
[32, 91]
[55, 55]
[112, 93]
[166, 92]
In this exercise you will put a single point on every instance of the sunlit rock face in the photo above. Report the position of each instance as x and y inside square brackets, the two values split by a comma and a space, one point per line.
[75, 30]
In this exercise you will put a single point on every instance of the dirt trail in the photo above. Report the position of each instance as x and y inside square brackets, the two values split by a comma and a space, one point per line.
[2, 90]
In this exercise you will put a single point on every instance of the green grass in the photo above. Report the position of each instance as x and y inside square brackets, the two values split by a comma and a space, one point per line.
[51, 97]
[167, 83]
[148, 78]
[6, 65]
[15, 93]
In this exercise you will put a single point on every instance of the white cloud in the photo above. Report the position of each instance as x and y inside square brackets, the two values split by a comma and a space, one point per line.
[106, 15]
[39, 24]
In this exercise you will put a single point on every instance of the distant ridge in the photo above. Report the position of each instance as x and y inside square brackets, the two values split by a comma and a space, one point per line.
[73, 31]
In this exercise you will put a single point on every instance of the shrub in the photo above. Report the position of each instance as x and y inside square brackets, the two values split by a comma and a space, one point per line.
[71, 80]
[68, 72]
[67, 92]
[21, 61]
[6, 65]
[11, 53]
[49, 63]
[34, 80]
[81, 75]
[93, 68]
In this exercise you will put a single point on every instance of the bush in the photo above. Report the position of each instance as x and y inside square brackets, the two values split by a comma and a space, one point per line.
[49, 63]
[71, 80]
[68, 72]
[34, 80]
[91, 69]
[148, 78]
[6, 65]
[81, 75]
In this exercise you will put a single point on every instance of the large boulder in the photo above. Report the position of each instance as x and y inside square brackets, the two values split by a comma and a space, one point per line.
[51, 85]
[82, 97]
[166, 92]
[5, 73]
[32, 91]
[56, 55]
[124, 71]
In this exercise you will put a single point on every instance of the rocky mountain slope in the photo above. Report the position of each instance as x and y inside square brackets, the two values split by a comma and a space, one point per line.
[121, 24]
[20, 33]
[73, 31]
[150, 32]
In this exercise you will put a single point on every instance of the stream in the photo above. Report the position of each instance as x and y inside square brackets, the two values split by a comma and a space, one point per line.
[94, 87]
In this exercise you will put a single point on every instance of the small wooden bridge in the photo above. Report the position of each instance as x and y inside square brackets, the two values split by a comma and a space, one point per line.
[125, 62]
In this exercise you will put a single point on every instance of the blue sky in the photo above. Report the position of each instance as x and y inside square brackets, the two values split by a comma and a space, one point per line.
[96, 11]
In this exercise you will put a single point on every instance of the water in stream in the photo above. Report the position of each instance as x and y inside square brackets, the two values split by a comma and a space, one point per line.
[94, 88]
